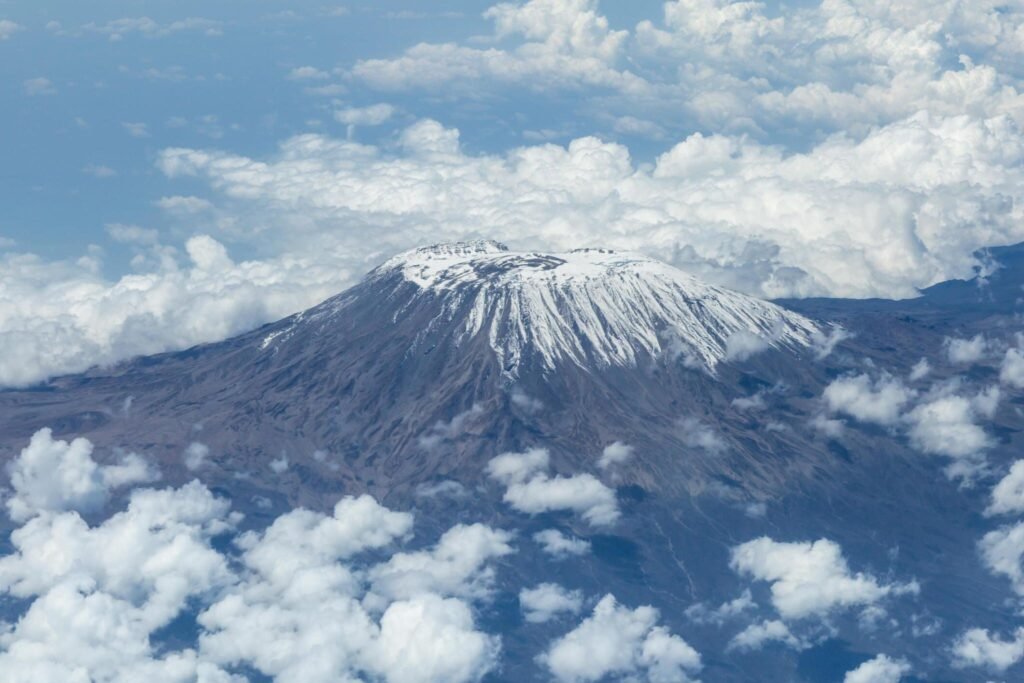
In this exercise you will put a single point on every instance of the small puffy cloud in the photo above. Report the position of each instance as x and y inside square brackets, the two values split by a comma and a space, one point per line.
[442, 431]
[1002, 551]
[1008, 494]
[132, 234]
[8, 28]
[279, 465]
[558, 545]
[831, 428]
[743, 345]
[50, 475]
[615, 453]
[99, 171]
[307, 73]
[616, 640]
[39, 86]
[696, 434]
[978, 648]
[1011, 372]
[195, 455]
[752, 402]
[966, 351]
[881, 669]
[824, 343]
[531, 490]
[879, 401]
[429, 639]
[702, 614]
[457, 565]
[547, 600]
[373, 115]
[524, 401]
[920, 370]
[810, 579]
[136, 129]
[947, 425]
[511, 468]
[756, 636]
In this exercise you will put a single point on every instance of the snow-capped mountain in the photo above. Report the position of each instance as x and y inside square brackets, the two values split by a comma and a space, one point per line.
[590, 307]
[683, 420]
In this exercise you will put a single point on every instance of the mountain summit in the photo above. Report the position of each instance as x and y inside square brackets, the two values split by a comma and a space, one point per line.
[588, 307]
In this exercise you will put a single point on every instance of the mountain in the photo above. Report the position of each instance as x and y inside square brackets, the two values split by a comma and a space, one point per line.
[407, 386]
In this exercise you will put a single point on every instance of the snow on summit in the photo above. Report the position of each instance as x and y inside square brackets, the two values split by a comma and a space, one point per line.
[590, 306]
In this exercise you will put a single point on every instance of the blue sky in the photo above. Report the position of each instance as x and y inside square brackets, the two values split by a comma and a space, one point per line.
[176, 173]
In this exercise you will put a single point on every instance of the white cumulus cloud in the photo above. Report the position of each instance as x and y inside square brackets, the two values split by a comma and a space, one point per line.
[531, 490]
[811, 578]
[50, 475]
[616, 640]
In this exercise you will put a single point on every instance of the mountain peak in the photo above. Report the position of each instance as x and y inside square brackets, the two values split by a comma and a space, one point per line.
[586, 306]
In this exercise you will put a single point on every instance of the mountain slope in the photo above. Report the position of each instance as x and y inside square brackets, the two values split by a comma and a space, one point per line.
[409, 384]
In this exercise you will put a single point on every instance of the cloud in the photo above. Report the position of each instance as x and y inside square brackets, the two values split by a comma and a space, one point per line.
[8, 28]
[843, 127]
[118, 29]
[682, 208]
[195, 455]
[558, 545]
[457, 565]
[99, 171]
[824, 343]
[1008, 494]
[624, 642]
[743, 345]
[566, 43]
[752, 402]
[289, 602]
[373, 115]
[547, 600]
[977, 648]
[86, 320]
[448, 431]
[97, 595]
[615, 453]
[755, 636]
[529, 489]
[307, 73]
[701, 614]
[136, 129]
[50, 475]
[810, 579]
[39, 86]
[1002, 551]
[947, 425]
[879, 401]
[1011, 372]
[966, 351]
[696, 434]
[920, 370]
[881, 669]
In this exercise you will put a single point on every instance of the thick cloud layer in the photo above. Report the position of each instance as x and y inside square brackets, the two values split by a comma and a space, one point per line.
[790, 148]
